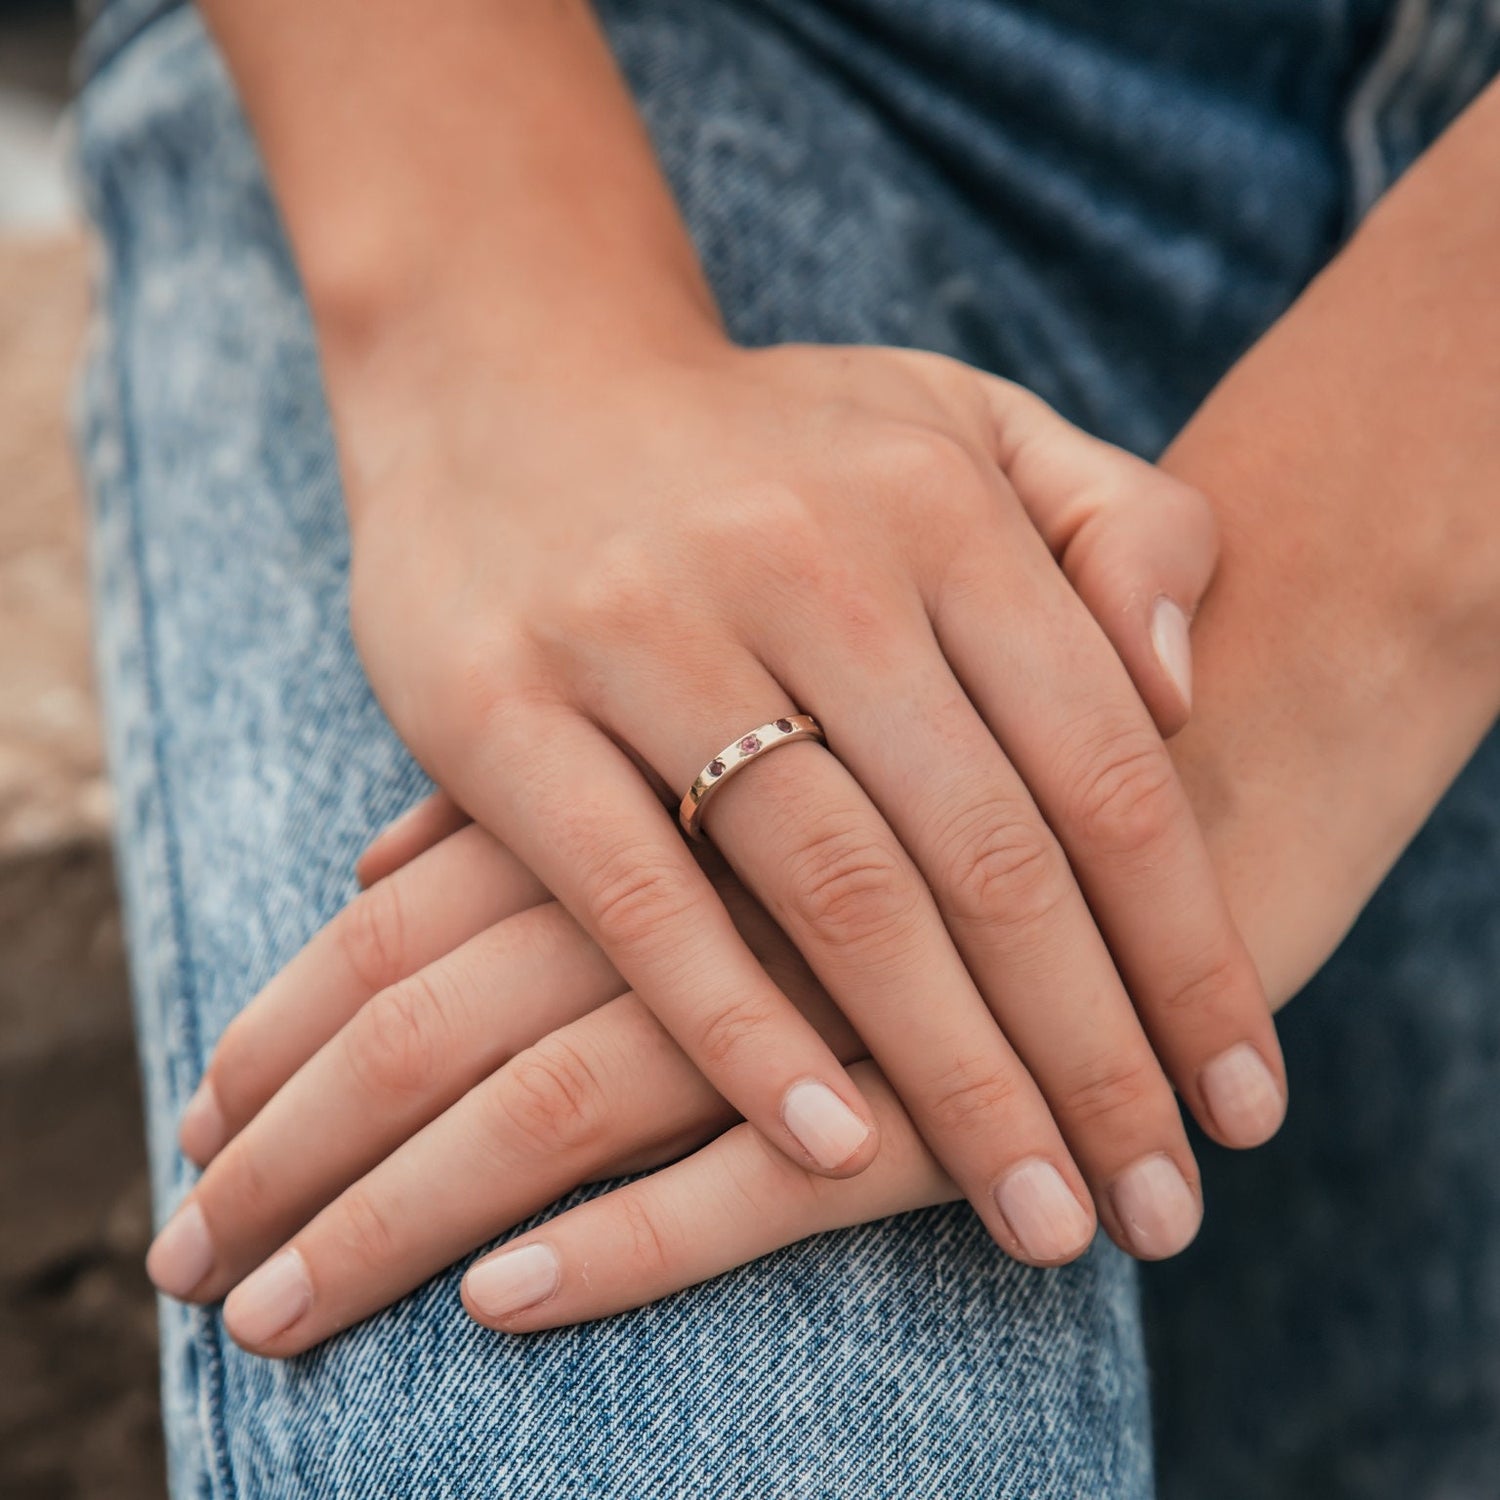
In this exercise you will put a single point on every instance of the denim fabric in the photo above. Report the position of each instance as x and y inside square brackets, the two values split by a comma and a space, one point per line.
[1106, 202]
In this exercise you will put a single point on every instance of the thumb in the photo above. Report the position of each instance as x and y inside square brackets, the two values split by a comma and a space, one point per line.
[1138, 546]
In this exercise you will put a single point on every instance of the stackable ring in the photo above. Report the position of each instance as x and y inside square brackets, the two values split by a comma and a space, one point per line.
[739, 755]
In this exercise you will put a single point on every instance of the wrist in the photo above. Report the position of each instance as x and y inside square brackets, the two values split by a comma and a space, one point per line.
[1347, 658]
[371, 299]
[431, 399]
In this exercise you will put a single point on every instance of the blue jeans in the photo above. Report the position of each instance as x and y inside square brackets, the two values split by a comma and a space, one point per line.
[1107, 202]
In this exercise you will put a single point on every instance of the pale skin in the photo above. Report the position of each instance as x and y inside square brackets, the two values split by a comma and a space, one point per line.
[1307, 770]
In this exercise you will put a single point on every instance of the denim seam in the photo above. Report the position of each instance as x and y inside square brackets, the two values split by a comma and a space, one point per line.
[183, 1012]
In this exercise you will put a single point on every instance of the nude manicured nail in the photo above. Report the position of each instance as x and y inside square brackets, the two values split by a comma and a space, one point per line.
[1156, 1207]
[269, 1301]
[1042, 1212]
[513, 1280]
[1242, 1096]
[1170, 640]
[181, 1255]
[826, 1128]
[202, 1131]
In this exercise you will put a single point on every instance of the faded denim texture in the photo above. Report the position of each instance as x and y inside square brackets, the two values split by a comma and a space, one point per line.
[1105, 201]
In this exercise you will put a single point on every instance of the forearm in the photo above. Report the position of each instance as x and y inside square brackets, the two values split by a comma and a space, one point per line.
[468, 162]
[1348, 658]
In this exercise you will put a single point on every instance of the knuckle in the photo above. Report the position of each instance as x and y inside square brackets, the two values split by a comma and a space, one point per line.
[771, 520]
[1006, 871]
[366, 1231]
[765, 1184]
[1125, 798]
[730, 1031]
[649, 1238]
[1203, 991]
[847, 885]
[971, 1093]
[371, 933]
[236, 1184]
[480, 679]
[1192, 513]
[924, 464]
[637, 899]
[551, 1096]
[392, 1049]
[622, 592]
[1108, 1090]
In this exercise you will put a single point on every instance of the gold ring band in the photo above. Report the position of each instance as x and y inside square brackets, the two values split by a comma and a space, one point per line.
[738, 755]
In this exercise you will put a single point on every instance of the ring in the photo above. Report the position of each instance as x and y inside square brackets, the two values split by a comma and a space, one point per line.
[738, 755]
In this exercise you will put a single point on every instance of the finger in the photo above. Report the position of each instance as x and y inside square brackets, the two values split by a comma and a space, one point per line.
[803, 834]
[430, 906]
[1139, 546]
[729, 1203]
[404, 1057]
[552, 1117]
[1028, 939]
[413, 833]
[586, 821]
[1035, 665]
[408, 1054]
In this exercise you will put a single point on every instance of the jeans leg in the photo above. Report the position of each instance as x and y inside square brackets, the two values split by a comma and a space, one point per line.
[904, 1358]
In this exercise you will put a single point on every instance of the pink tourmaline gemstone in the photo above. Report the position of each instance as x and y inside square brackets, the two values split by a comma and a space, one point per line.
[750, 744]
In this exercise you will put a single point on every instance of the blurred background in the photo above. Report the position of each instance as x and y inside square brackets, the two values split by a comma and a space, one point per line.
[78, 1392]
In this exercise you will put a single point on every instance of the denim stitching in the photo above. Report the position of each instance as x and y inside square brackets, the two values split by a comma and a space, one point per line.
[183, 1013]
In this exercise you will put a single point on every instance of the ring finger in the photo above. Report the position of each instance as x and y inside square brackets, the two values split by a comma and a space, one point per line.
[804, 836]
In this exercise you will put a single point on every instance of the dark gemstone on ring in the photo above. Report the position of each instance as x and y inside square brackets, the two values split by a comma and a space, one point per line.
[716, 768]
[784, 725]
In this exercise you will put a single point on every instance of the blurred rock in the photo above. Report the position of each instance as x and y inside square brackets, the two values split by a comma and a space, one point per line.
[51, 789]
[78, 1410]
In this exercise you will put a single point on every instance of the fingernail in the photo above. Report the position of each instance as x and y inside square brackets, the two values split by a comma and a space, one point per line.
[181, 1255]
[513, 1279]
[202, 1132]
[1170, 638]
[1042, 1212]
[826, 1128]
[1156, 1207]
[400, 821]
[270, 1300]
[1242, 1096]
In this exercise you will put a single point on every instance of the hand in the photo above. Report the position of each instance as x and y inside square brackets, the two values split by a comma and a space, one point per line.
[442, 1119]
[617, 581]
[392, 992]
